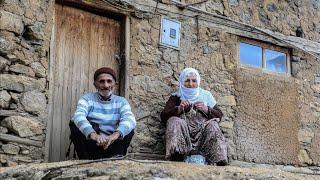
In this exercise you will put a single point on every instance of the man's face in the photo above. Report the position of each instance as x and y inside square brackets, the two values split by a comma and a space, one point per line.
[104, 84]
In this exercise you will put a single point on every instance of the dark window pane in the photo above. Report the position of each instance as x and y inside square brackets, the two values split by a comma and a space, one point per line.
[250, 55]
[276, 61]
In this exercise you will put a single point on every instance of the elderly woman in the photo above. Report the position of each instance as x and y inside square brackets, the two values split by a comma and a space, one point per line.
[192, 118]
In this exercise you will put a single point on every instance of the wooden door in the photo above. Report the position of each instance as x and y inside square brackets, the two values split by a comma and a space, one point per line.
[83, 42]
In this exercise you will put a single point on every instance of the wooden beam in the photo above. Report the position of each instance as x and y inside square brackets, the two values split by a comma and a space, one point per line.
[51, 88]
[11, 138]
[97, 7]
[127, 57]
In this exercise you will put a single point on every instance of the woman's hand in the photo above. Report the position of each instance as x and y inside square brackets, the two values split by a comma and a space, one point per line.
[184, 105]
[200, 106]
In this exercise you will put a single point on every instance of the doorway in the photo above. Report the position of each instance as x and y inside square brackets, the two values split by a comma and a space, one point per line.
[82, 42]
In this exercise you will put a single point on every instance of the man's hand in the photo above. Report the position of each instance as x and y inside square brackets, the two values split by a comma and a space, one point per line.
[200, 106]
[93, 136]
[111, 139]
[102, 139]
[99, 138]
[184, 105]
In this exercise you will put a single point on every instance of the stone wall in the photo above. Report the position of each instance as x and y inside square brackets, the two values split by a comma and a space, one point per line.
[24, 47]
[285, 127]
[294, 17]
[150, 89]
[306, 72]
[25, 28]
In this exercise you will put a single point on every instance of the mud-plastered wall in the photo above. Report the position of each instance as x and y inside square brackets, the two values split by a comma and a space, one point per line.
[267, 119]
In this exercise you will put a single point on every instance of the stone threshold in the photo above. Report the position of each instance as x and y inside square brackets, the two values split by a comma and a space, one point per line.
[129, 168]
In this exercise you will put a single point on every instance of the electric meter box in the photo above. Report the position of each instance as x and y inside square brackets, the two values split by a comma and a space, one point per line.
[170, 33]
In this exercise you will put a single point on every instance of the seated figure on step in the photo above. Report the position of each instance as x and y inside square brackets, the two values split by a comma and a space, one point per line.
[103, 124]
[192, 116]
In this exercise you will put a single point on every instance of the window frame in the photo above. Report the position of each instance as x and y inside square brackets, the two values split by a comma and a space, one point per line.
[265, 46]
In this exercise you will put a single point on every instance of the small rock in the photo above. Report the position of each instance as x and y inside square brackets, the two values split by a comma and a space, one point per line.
[22, 159]
[37, 138]
[38, 69]
[316, 4]
[226, 124]
[317, 79]
[6, 46]
[305, 136]
[227, 101]
[316, 88]
[11, 163]
[12, 57]
[34, 101]
[3, 158]
[295, 69]
[304, 157]
[15, 97]
[34, 32]
[3, 130]
[4, 99]
[10, 149]
[11, 22]
[20, 83]
[3, 64]
[13, 106]
[272, 7]
[207, 50]
[295, 59]
[22, 69]
[290, 168]
[25, 152]
[22, 126]
[44, 63]
[13, 6]
[305, 170]
[226, 81]
[25, 56]
[234, 2]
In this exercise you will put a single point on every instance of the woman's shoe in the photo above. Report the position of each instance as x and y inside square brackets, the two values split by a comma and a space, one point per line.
[222, 163]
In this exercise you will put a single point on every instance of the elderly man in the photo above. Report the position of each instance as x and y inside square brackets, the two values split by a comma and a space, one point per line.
[103, 124]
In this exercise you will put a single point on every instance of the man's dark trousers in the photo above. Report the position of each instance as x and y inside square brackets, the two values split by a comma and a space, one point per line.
[88, 149]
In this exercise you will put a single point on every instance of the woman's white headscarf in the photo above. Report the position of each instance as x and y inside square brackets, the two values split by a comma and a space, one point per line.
[188, 94]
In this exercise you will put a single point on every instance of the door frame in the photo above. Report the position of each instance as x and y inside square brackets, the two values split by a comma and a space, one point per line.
[101, 9]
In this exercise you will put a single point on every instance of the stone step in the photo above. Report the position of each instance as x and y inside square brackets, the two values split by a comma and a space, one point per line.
[130, 168]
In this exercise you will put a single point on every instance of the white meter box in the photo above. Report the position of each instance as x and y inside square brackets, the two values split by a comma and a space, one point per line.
[170, 33]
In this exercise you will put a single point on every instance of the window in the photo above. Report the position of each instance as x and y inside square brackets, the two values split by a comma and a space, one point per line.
[264, 56]
[250, 55]
[276, 61]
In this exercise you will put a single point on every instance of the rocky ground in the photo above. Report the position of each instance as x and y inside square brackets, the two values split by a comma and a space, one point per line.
[146, 169]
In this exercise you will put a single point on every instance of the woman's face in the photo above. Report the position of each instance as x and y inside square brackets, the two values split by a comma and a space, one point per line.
[191, 81]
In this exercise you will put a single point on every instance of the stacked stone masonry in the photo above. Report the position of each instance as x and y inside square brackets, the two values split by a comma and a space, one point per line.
[255, 125]
[24, 50]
